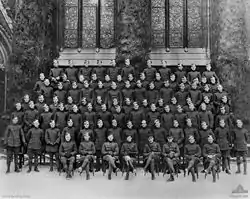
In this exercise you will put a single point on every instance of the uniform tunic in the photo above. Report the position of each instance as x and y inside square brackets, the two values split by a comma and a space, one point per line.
[151, 147]
[110, 148]
[130, 149]
[178, 136]
[166, 94]
[35, 138]
[222, 138]
[167, 120]
[100, 135]
[52, 140]
[143, 134]
[192, 150]
[87, 148]
[240, 138]
[160, 135]
[14, 136]
[169, 148]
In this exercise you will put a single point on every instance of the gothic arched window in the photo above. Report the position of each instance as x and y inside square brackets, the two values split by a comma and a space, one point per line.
[89, 23]
[177, 23]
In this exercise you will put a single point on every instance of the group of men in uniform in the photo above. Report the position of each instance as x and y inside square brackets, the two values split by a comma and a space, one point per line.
[117, 113]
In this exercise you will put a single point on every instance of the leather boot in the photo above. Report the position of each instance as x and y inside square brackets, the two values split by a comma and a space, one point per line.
[238, 168]
[127, 175]
[171, 178]
[193, 175]
[8, 168]
[152, 169]
[36, 169]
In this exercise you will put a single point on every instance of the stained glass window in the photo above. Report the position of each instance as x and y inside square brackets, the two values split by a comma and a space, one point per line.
[176, 22]
[71, 23]
[107, 15]
[194, 23]
[89, 22]
[158, 17]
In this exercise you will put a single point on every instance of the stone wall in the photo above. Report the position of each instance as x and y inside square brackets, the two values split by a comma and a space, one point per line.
[230, 51]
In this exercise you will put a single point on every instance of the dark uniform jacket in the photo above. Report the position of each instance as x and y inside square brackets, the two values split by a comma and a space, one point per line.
[71, 73]
[143, 134]
[39, 107]
[240, 138]
[77, 119]
[165, 73]
[61, 94]
[204, 136]
[131, 132]
[45, 119]
[136, 116]
[87, 148]
[152, 147]
[75, 94]
[126, 71]
[130, 149]
[196, 96]
[87, 93]
[170, 147]
[166, 94]
[110, 148]
[118, 134]
[100, 73]
[60, 118]
[211, 149]
[120, 118]
[86, 72]
[113, 72]
[207, 117]
[223, 138]
[181, 97]
[29, 116]
[35, 138]
[68, 149]
[100, 135]
[71, 131]
[152, 96]
[181, 118]
[178, 136]
[14, 136]
[192, 150]
[84, 131]
[139, 94]
[167, 120]
[52, 139]
[191, 131]
[150, 73]
[192, 75]
[160, 135]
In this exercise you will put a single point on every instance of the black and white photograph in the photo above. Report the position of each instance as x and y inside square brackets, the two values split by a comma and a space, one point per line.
[124, 99]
